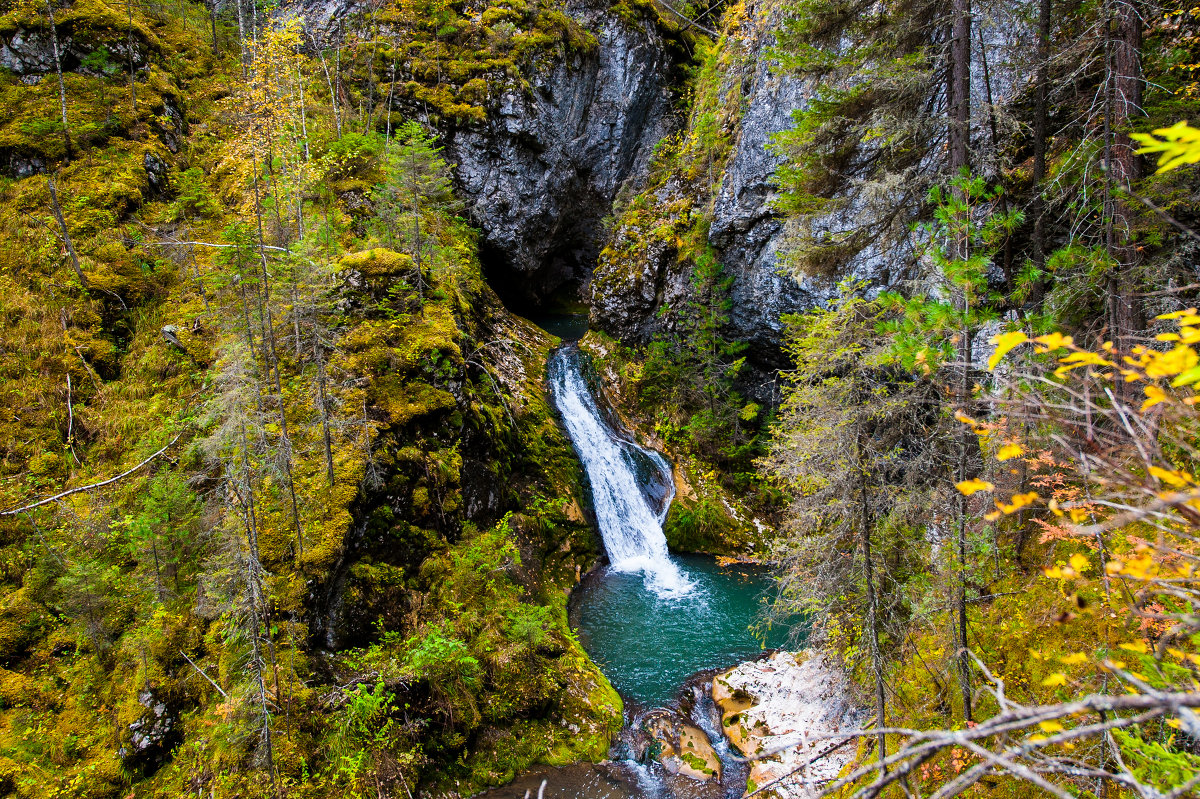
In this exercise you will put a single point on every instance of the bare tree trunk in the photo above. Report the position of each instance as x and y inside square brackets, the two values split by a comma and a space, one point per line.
[997, 171]
[323, 401]
[62, 226]
[1126, 169]
[387, 139]
[241, 35]
[62, 86]
[872, 609]
[1041, 134]
[285, 441]
[337, 80]
[960, 135]
[212, 21]
[303, 118]
[129, 45]
[960, 86]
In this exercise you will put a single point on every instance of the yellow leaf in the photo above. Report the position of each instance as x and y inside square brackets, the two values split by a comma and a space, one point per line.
[1073, 659]
[1009, 451]
[1080, 563]
[1175, 479]
[1077, 359]
[1055, 680]
[1036, 738]
[1005, 342]
[1168, 364]
[1019, 501]
[1137, 646]
[969, 487]
[1154, 395]
[1053, 341]
[1177, 314]
[1051, 726]
[962, 417]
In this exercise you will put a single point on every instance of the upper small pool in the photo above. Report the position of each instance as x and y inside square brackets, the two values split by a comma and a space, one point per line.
[567, 326]
[648, 644]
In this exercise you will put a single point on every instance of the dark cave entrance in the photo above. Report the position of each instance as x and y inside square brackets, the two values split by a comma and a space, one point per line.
[560, 286]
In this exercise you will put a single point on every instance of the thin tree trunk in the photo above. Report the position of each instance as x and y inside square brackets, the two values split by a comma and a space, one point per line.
[323, 400]
[285, 441]
[960, 581]
[960, 134]
[241, 35]
[212, 21]
[1126, 168]
[62, 226]
[1041, 133]
[129, 45]
[337, 81]
[303, 117]
[62, 86]
[997, 171]
[960, 87]
[387, 139]
[872, 610]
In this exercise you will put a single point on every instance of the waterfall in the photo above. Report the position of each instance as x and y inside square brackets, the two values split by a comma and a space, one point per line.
[632, 487]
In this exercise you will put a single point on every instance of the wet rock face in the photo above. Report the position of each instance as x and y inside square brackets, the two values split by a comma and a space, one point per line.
[151, 737]
[541, 174]
[30, 53]
[745, 230]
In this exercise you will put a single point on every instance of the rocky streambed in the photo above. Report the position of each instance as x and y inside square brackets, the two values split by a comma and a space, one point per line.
[774, 723]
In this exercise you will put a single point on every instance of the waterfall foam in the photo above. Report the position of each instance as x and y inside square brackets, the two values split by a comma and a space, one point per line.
[632, 487]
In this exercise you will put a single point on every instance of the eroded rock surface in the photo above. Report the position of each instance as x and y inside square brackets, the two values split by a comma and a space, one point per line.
[683, 748]
[541, 174]
[783, 711]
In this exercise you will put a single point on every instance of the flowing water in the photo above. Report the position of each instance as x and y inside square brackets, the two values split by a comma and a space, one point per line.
[631, 486]
[649, 619]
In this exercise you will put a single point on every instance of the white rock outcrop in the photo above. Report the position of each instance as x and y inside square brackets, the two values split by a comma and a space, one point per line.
[783, 711]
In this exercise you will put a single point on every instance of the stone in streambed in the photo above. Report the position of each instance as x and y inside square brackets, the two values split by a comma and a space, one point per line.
[684, 749]
[783, 711]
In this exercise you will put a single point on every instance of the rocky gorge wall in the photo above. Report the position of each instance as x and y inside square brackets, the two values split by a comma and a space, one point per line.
[647, 270]
[541, 173]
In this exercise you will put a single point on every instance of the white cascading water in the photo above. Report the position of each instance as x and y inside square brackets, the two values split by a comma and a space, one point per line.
[629, 524]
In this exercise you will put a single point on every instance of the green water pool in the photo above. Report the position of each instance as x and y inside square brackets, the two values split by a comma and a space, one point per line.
[648, 645]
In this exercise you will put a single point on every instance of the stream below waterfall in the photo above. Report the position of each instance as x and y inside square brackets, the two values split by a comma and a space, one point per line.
[658, 625]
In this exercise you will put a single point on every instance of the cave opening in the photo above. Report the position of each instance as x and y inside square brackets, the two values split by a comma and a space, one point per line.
[558, 287]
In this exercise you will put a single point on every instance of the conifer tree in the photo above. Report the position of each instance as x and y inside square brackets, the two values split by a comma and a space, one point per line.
[417, 187]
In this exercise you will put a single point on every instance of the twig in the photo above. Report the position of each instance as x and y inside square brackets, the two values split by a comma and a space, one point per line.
[1164, 292]
[101, 484]
[826, 751]
[88, 367]
[200, 671]
[691, 22]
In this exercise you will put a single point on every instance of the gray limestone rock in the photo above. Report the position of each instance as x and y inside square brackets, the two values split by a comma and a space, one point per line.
[541, 174]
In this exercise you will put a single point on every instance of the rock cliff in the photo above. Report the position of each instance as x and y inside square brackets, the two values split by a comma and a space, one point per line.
[541, 173]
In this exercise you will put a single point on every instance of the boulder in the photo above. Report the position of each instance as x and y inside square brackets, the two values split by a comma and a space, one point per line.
[682, 747]
[152, 737]
[784, 711]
